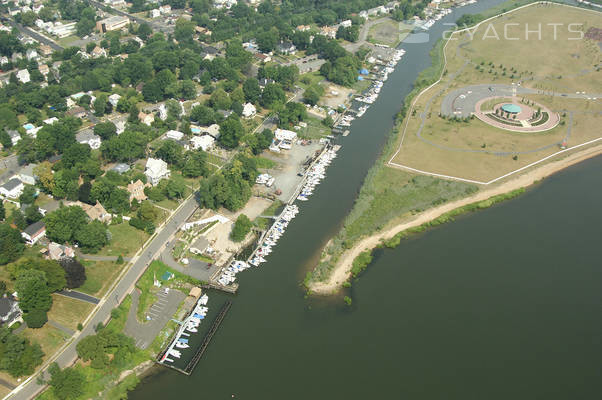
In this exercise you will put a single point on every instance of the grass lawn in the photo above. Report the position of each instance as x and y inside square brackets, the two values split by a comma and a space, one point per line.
[309, 79]
[125, 240]
[69, 312]
[262, 223]
[146, 284]
[386, 32]
[315, 129]
[264, 163]
[48, 337]
[99, 276]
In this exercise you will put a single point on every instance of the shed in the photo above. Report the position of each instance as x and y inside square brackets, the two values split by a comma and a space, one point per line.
[195, 292]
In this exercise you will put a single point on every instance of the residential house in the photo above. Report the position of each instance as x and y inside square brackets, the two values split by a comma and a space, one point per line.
[248, 110]
[34, 232]
[31, 54]
[3, 60]
[23, 76]
[36, 8]
[162, 112]
[329, 31]
[212, 130]
[145, 118]
[44, 69]
[58, 251]
[156, 170]
[204, 142]
[174, 135]
[88, 137]
[120, 125]
[263, 82]
[287, 48]
[202, 30]
[12, 189]
[303, 28]
[10, 312]
[346, 24]
[263, 57]
[78, 112]
[95, 212]
[136, 190]
[114, 99]
[165, 9]
[14, 136]
[45, 50]
[51, 120]
[26, 174]
[155, 13]
[120, 168]
[98, 52]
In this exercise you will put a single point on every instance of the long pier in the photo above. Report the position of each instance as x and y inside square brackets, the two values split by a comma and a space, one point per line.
[199, 353]
[204, 344]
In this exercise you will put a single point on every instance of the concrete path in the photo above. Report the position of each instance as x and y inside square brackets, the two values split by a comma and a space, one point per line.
[61, 327]
[162, 310]
[79, 296]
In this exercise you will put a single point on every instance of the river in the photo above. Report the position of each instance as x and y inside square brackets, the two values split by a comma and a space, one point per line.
[503, 303]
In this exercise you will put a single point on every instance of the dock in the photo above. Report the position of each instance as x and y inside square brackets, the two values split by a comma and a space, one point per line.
[204, 344]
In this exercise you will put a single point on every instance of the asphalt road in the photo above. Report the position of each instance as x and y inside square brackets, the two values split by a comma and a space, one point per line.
[156, 26]
[31, 388]
[30, 32]
[79, 296]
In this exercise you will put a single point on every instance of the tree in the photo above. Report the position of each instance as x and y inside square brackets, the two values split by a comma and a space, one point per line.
[19, 357]
[231, 130]
[92, 237]
[62, 224]
[55, 275]
[101, 105]
[28, 195]
[203, 115]
[272, 95]
[312, 94]
[195, 164]
[170, 152]
[144, 31]
[45, 175]
[147, 211]
[11, 244]
[220, 100]
[5, 139]
[251, 90]
[184, 30]
[35, 318]
[105, 130]
[241, 228]
[175, 188]
[19, 219]
[75, 273]
[33, 214]
[2, 211]
[263, 141]
[128, 146]
[67, 383]
[32, 287]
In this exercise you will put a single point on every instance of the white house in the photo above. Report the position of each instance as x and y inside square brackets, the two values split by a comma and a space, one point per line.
[31, 54]
[175, 135]
[114, 99]
[212, 130]
[12, 189]
[120, 125]
[88, 137]
[162, 112]
[23, 76]
[248, 110]
[156, 170]
[283, 134]
[51, 121]
[9, 311]
[34, 232]
[204, 142]
[155, 13]
[26, 174]
[14, 136]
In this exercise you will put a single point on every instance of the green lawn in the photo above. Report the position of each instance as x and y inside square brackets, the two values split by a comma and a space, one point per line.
[262, 223]
[315, 129]
[48, 337]
[99, 276]
[69, 312]
[125, 240]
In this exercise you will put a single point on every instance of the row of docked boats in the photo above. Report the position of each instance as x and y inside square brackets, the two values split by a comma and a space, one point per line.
[316, 173]
[228, 275]
[373, 92]
[188, 326]
[274, 234]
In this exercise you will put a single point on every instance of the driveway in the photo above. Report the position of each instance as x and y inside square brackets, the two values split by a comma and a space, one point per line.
[159, 314]
[79, 296]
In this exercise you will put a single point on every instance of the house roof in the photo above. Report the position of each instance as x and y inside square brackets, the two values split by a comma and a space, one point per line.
[35, 228]
[86, 136]
[6, 306]
[121, 168]
[12, 184]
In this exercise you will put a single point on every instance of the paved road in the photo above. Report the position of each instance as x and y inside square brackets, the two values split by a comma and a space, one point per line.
[30, 32]
[79, 296]
[114, 297]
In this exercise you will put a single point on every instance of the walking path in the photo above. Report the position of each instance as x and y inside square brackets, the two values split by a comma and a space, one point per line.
[60, 327]
[79, 296]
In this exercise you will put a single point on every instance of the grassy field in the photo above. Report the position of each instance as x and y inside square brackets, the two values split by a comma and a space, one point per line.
[69, 312]
[125, 240]
[99, 276]
[48, 337]
[566, 69]
[388, 32]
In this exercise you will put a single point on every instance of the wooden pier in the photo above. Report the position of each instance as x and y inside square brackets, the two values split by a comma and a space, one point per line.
[214, 285]
[204, 344]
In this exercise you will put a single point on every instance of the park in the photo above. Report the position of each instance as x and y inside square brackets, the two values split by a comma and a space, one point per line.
[505, 103]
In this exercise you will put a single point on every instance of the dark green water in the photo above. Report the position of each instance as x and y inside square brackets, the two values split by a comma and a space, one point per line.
[501, 304]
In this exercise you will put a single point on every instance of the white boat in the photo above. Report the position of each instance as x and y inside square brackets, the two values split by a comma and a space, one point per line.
[181, 345]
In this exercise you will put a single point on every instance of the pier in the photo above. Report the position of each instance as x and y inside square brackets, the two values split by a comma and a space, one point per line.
[187, 370]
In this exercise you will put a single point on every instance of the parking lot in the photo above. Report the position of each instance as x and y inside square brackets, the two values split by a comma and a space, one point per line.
[162, 310]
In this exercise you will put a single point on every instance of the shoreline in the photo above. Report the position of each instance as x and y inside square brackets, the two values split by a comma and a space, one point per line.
[342, 269]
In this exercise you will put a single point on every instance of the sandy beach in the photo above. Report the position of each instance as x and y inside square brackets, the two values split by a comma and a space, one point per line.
[342, 270]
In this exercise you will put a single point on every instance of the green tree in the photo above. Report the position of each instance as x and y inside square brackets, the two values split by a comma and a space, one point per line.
[35, 318]
[170, 152]
[33, 214]
[195, 164]
[11, 244]
[272, 96]
[203, 115]
[105, 130]
[101, 105]
[2, 211]
[62, 224]
[241, 228]
[251, 90]
[66, 384]
[32, 287]
[92, 237]
[231, 131]
[28, 195]
[175, 188]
